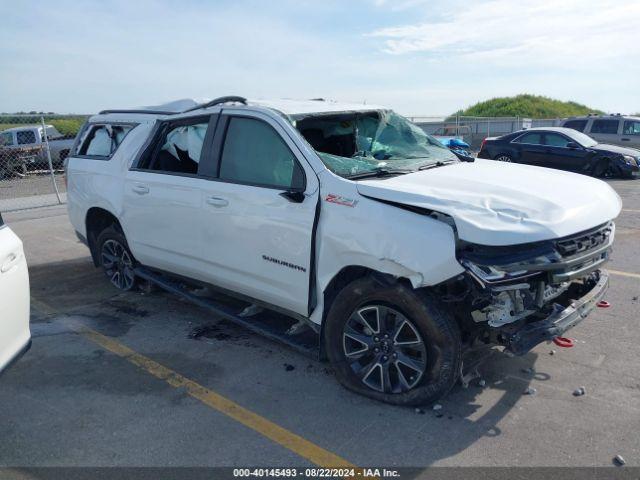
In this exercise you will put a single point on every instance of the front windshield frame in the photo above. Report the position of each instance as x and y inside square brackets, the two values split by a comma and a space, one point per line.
[383, 141]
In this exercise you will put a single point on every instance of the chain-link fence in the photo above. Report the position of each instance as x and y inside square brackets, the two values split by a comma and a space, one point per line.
[475, 129]
[33, 148]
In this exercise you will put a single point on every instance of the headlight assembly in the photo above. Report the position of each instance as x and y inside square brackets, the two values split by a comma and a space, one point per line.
[630, 160]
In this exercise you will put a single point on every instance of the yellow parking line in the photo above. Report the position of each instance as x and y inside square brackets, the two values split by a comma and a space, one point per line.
[624, 274]
[272, 431]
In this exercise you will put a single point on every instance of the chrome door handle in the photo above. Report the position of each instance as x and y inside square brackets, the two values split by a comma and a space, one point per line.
[140, 189]
[217, 202]
[10, 262]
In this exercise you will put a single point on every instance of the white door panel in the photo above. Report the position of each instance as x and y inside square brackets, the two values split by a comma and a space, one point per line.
[14, 297]
[160, 220]
[258, 243]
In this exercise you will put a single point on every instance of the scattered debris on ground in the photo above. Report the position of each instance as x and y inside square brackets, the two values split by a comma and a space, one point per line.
[578, 392]
[529, 391]
[437, 406]
[528, 370]
[481, 382]
[419, 411]
[618, 460]
[552, 352]
[288, 367]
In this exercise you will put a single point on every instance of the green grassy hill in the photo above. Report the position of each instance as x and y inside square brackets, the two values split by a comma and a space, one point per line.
[530, 106]
[67, 126]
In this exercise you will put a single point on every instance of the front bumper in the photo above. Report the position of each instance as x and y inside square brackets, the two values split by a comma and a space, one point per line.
[559, 321]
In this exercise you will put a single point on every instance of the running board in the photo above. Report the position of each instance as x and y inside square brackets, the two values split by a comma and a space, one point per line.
[267, 323]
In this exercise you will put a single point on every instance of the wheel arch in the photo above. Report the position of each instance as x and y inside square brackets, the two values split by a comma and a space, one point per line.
[96, 220]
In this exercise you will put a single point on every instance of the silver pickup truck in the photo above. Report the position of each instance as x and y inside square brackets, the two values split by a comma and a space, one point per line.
[15, 141]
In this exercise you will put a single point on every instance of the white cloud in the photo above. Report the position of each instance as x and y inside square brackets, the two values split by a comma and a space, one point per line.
[531, 32]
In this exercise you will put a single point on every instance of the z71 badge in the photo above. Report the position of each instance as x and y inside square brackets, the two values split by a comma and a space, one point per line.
[340, 200]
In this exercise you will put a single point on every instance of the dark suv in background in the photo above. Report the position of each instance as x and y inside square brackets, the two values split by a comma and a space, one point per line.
[563, 149]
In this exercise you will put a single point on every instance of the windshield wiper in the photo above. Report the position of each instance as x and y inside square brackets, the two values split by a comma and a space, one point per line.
[436, 164]
[380, 172]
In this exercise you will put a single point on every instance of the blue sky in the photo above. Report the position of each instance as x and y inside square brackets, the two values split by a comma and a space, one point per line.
[419, 57]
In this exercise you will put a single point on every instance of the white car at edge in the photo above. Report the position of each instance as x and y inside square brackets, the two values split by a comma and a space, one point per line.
[351, 221]
[15, 337]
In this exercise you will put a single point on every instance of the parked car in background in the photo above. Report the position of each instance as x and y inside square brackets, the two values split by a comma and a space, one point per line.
[15, 337]
[563, 149]
[15, 158]
[349, 220]
[610, 129]
[32, 137]
[459, 147]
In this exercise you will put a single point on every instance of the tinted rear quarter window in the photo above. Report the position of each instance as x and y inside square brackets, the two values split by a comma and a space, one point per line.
[605, 126]
[576, 125]
[102, 140]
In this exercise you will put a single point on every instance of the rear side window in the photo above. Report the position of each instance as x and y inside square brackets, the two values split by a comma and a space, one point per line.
[180, 148]
[102, 140]
[605, 126]
[631, 127]
[530, 138]
[255, 154]
[6, 139]
[26, 137]
[576, 125]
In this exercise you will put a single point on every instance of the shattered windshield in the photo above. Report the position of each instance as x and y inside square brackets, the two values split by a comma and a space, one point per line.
[354, 143]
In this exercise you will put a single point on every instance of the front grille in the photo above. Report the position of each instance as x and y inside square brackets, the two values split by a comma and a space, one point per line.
[583, 242]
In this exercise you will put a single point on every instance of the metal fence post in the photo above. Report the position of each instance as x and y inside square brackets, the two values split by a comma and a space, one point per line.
[51, 171]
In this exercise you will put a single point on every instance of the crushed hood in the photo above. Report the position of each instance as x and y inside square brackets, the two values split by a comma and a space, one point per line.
[496, 203]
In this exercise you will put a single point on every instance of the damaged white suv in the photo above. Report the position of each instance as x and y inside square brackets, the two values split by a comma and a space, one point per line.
[346, 222]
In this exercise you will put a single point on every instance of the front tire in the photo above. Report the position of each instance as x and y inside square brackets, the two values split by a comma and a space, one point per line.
[116, 259]
[392, 343]
[601, 168]
[503, 157]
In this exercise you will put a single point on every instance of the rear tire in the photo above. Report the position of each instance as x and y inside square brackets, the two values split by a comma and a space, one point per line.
[503, 157]
[419, 359]
[116, 259]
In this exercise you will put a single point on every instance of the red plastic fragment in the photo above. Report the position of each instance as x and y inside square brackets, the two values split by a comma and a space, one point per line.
[603, 304]
[564, 342]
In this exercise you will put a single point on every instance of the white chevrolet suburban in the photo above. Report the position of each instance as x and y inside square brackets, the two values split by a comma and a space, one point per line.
[346, 224]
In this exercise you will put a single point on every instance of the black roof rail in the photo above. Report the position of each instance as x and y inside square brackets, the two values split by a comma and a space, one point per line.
[148, 112]
[217, 101]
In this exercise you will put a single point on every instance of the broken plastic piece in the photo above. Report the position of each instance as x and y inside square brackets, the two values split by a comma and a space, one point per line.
[578, 392]
[564, 342]
[603, 304]
[618, 460]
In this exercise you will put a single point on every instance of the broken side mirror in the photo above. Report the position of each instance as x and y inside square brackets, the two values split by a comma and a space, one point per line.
[295, 196]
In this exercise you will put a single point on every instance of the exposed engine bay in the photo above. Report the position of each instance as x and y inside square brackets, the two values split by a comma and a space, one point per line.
[508, 288]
